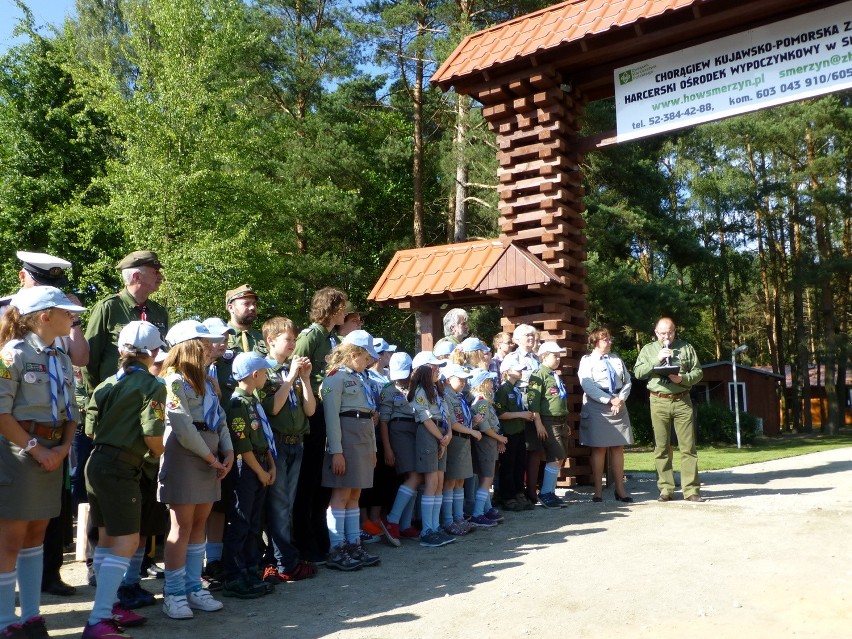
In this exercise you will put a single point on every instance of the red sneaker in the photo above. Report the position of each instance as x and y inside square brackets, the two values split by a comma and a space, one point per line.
[390, 531]
[127, 618]
[272, 576]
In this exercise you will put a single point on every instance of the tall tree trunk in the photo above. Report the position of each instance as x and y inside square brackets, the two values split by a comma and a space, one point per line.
[462, 114]
[417, 164]
[801, 377]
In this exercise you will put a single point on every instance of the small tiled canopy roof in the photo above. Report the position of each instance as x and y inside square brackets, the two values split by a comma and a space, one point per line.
[459, 272]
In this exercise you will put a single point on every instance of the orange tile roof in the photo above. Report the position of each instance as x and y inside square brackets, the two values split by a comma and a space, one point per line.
[453, 269]
[546, 29]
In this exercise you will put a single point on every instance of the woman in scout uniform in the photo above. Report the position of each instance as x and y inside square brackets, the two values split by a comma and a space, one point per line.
[604, 422]
[459, 457]
[485, 449]
[548, 401]
[398, 430]
[38, 419]
[251, 435]
[198, 454]
[433, 437]
[351, 450]
[125, 418]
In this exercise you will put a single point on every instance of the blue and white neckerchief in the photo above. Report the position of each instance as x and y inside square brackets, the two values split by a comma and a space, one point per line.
[293, 401]
[468, 418]
[368, 390]
[212, 371]
[57, 381]
[332, 341]
[610, 370]
[122, 372]
[267, 428]
[522, 399]
[210, 405]
[444, 425]
[563, 394]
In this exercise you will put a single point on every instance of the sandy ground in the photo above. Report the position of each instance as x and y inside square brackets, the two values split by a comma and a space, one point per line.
[767, 556]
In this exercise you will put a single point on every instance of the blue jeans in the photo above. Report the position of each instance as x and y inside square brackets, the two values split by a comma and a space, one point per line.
[279, 507]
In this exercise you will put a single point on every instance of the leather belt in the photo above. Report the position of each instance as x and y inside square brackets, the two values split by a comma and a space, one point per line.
[45, 430]
[668, 396]
[288, 439]
[119, 454]
[358, 414]
[410, 420]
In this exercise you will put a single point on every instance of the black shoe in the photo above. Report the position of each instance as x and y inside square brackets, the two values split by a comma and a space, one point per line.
[598, 500]
[627, 499]
[59, 588]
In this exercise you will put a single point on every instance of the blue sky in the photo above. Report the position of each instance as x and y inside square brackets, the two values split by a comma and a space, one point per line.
[44, 11]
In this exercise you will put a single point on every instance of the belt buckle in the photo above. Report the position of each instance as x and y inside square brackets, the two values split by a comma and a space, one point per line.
[55, 434]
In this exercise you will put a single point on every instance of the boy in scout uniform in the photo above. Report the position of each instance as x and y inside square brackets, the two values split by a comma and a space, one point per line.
[288, 401]
[125, 418]
[254, 472]
[547, 399]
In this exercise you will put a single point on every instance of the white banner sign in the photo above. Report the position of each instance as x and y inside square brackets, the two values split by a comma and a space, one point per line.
[790, 60]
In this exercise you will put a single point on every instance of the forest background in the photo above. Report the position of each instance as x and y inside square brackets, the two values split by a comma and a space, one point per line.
[296, 144]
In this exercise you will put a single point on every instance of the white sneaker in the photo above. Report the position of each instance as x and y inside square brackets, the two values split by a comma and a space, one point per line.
[203, 600]
[177, 607]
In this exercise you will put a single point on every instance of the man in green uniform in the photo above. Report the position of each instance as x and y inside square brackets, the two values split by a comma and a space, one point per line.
[670, 404]
[241, 304]
[142, 278]
[455, 327]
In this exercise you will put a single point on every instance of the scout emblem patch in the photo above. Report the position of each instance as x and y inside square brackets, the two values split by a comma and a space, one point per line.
[159, 410]
[238, 427]
[172, 399]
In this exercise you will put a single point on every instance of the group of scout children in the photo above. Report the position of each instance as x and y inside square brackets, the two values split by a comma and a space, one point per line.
[433, 432]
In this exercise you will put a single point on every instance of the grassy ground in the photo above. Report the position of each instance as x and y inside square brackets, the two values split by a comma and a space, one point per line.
[763, 449]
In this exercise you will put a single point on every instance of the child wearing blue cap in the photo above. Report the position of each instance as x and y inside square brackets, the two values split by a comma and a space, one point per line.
[198, 454]
[39, 418]
[350, 456]
[254, 472]
[486, 449]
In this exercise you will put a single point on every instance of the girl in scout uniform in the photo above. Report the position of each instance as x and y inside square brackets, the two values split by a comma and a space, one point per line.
[198, 454]
[125, 417]
[509, 404]
[350, 455]
[433, 437]
[398, 430]
[474, 353]
[459, 460]
[486, 449]
[547, 399]
[38, 420]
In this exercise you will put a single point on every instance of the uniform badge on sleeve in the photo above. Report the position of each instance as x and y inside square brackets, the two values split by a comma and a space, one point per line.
[159, 410]
[238, 427]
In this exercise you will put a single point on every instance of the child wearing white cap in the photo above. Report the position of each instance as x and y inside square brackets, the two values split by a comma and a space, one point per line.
[486, 449]
[350, 454]
[125, 418]
[198, 454]
[514, 417]
[40, 417]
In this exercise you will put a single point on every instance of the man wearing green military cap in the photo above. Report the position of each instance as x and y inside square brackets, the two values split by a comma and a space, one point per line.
[241, 304]
[142, 278]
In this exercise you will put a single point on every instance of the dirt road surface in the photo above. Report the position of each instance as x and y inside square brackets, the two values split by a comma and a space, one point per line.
[769, 555]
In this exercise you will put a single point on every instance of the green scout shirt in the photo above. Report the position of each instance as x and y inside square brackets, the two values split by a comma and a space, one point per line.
[122, 412]
[291, 419]
[507, 399]
[244, 423]
[315, 343]
[254, 340]
[684, 357]
[543, 394]
[106, 319]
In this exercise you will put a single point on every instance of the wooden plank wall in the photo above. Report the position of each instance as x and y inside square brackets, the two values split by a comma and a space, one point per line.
[541, 205]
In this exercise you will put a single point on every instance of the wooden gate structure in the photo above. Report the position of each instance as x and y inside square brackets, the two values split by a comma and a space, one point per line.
[533, 76]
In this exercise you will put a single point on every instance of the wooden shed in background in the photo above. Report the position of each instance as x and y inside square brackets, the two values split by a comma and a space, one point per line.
[760, 392]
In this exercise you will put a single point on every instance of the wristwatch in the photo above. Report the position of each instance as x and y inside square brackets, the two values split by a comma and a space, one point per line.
[30, 445]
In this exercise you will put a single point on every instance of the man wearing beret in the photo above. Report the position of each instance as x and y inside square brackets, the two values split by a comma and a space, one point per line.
[142, 278]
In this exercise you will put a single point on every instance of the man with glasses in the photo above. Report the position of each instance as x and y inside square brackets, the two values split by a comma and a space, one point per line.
[670, 404]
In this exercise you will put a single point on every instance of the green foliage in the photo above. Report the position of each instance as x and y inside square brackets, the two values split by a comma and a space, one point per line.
[717, 425]
[640, 421]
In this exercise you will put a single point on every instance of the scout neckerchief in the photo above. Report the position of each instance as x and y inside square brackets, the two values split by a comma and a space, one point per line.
[368, 389]
[143, 311]
[612, 376]
[267, 429]
[57, 380]
[123, 372]
[559, 385]
[212, 371]
[468, 418]
[210, 405]
[445, 425]
[294, 404]
[331, 339]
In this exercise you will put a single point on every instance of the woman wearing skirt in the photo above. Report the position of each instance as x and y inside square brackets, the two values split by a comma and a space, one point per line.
[604, 422]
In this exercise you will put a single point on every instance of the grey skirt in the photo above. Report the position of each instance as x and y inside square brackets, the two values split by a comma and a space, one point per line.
[357, 437]
[485, 456]
[599, 428]
[27, 491]
[403, 440]
[185, 478]
[459, 460]
[427, 453]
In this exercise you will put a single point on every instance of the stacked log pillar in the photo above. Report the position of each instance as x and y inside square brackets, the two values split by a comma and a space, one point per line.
[541, 206]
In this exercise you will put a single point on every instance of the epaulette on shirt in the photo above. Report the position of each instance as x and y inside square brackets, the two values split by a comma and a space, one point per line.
[332, 373]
